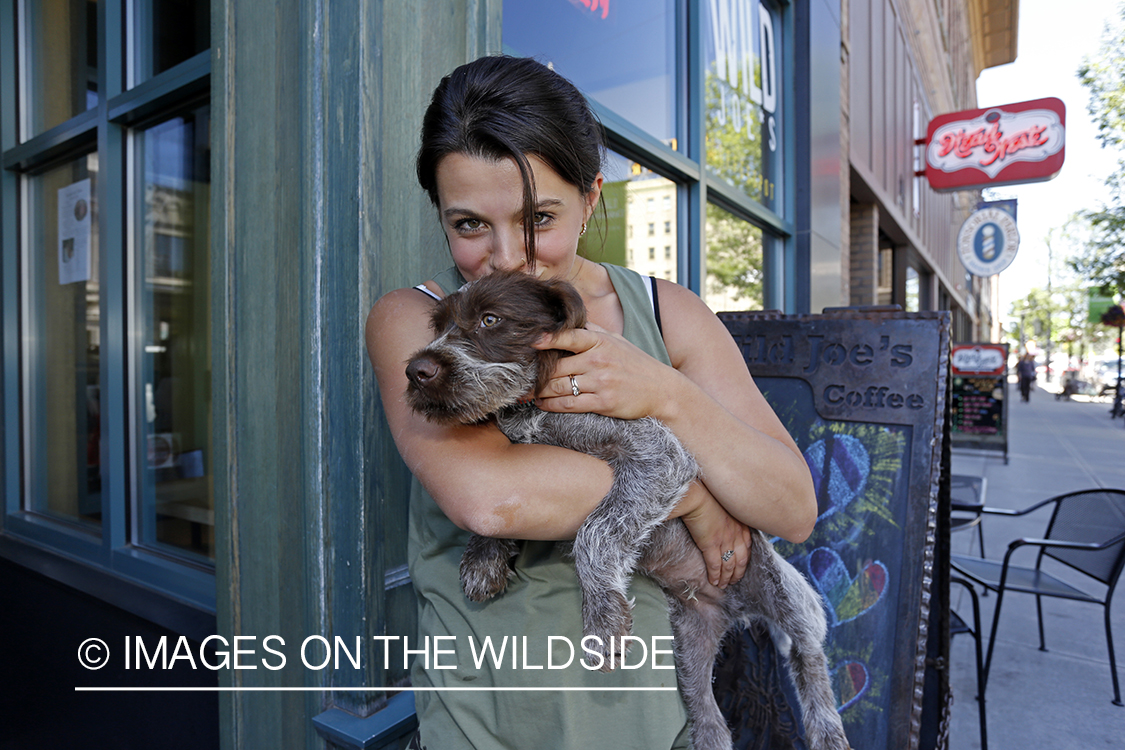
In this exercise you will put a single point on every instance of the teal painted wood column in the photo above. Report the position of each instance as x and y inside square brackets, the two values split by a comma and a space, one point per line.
[315, 213]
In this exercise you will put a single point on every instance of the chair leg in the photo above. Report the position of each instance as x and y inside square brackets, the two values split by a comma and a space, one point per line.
[992, 638]
[1112, 660]
[1039, 611]
[980, 676]
[980, 538]
[977, 636]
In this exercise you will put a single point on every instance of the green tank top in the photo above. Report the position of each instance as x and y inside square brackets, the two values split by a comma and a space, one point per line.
[539, 615]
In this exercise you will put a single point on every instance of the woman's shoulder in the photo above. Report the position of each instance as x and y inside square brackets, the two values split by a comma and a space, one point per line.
[398, 319]
[690, 327]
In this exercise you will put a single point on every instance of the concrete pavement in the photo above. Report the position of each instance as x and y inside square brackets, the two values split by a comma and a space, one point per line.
[1059, 699]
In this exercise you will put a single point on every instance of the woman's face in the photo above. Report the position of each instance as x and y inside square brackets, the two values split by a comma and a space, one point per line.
[481, 206]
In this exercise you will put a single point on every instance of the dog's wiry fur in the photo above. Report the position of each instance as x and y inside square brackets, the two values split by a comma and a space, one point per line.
[481, 366]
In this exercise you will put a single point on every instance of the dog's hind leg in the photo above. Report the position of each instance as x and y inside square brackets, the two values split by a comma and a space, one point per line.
[486, 566]
[699, 622]
[787, 599]
[699, 628]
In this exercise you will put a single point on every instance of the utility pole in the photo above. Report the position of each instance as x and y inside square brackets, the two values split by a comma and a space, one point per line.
[1050, 303]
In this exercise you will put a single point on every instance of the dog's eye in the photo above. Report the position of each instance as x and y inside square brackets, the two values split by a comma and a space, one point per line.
[488, 320]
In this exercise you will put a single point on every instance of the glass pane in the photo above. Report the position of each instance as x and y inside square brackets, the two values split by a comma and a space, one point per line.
[62, 61]
[635, 224]
[169, 32]
[174, 413]
[734, 262]
[620, 53]
[62, 305]
[913, 290]
[743, 96]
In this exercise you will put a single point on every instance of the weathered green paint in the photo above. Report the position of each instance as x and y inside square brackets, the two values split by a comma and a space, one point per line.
[315, 213]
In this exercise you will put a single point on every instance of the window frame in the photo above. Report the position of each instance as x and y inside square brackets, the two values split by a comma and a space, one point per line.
[686, 166]
[53, 546]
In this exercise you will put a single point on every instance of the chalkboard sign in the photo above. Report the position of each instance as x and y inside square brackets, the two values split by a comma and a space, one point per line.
[863, 393]
[979, 397]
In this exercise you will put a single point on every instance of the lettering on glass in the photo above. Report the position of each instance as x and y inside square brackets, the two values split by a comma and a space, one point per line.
[742, 33]
[598, 7]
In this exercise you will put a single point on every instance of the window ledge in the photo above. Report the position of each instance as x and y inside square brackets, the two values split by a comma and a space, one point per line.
[394, 721]
[155, 606]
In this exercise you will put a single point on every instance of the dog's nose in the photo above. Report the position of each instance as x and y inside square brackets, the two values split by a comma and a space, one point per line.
[422, 370]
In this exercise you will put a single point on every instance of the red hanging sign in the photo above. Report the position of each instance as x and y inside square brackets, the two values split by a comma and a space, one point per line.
[1013, 143]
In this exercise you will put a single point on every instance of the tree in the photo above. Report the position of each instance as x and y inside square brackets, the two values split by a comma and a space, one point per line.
[734, 152]
[1103, 260]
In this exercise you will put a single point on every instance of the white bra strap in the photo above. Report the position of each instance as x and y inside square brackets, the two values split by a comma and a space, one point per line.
[649, 283]
[426, 290]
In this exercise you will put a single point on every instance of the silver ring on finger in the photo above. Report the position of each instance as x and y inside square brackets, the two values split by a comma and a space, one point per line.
[574, 386]
[728, 555]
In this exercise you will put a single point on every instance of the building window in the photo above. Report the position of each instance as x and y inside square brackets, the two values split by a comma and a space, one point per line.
[734, 262]
[61, 344]
[652, 253]
[634, 59]
[107, 272]
[622, 54]
[174, 304]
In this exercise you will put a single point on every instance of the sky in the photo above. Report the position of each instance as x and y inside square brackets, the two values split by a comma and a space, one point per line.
[1051, 46]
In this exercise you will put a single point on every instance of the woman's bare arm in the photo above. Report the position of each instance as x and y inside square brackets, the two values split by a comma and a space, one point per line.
[480, 480]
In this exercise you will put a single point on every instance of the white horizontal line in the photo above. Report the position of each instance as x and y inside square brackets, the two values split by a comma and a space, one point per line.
[358, 689]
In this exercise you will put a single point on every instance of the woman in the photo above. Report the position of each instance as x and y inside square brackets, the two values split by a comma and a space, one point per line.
[511, 158]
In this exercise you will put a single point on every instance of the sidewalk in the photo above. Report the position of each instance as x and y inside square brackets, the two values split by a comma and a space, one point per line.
[1059, 699]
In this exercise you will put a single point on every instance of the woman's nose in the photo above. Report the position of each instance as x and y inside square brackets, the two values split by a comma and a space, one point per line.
[508, 252]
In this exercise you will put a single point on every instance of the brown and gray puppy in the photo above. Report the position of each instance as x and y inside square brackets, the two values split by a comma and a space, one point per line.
[482, 366]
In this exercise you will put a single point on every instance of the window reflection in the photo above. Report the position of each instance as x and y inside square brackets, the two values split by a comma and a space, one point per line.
[170, 31]
[636, 201]
[175, 373]
[734, 262]
[742, 96]
[62, 343]
[61, 80]
[620, 53]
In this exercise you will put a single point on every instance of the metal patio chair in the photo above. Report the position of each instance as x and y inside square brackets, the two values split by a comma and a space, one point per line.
[1087, 533]
[957, 626]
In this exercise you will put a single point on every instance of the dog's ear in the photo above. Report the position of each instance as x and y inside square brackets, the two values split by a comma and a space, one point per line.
[441, 315]
[566, 304]
[547, 359]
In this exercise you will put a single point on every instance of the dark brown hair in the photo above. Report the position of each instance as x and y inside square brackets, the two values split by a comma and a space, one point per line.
[512, 107]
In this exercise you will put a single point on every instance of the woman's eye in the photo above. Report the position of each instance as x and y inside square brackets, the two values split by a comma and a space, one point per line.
[542, 219]
[489, 320]
[468, 225]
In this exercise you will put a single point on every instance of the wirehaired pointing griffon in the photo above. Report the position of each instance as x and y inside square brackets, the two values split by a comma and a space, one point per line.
[482, 366]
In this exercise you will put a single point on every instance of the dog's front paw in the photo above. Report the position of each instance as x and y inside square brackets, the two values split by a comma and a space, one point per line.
[486, 568]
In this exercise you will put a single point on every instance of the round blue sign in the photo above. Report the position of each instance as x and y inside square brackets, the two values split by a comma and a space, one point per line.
[987, 242]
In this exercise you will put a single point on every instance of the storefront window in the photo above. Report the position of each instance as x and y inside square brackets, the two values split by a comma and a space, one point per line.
[621, 53]
[175, 373]
[62, 343]
[742, 96]
[170, 32]
[913, 290]
[637, 228]
[61, 79]
[734, 262]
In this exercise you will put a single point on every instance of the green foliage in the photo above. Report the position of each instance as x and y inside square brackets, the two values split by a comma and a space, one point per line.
[734, 255]
[734, 152]
[1103, 259]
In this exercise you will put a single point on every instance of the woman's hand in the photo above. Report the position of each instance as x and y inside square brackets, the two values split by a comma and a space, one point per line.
[715, 533]
[611, 375]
